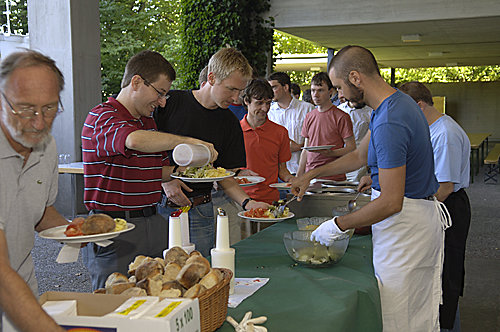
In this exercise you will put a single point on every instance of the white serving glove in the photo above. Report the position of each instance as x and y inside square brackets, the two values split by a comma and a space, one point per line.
[248, 324]
[327, 232]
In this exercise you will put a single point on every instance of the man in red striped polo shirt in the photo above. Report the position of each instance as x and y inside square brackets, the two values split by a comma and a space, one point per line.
[125, 163]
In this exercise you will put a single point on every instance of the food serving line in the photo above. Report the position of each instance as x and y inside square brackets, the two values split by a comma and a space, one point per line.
[296, 296]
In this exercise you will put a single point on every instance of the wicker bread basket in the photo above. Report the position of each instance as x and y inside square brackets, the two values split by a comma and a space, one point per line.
[213, 303]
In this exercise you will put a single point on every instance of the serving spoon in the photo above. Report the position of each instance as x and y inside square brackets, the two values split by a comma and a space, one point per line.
[279, 211]
[351, 204]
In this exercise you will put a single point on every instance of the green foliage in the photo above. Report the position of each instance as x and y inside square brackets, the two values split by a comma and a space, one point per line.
[288, 44]
[208, 25]
[444, 74]
[130, 26]
[18, 16]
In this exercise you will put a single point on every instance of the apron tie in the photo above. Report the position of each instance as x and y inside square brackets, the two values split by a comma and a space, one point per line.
[445, 219]
[444, 215]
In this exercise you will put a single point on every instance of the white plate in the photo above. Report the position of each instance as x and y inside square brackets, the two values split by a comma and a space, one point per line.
[253, 180]
[177, 176]
[319, 147]
[281, 185]
[57, 234]
[242, 215]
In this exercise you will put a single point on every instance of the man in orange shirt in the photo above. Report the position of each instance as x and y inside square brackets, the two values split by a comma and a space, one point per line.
[267, 145]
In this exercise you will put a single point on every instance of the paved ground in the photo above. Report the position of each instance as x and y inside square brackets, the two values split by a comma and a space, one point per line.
[480, 307]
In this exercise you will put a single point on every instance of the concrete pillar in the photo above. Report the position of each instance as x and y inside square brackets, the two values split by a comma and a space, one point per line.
[68, 32]
[330, 54]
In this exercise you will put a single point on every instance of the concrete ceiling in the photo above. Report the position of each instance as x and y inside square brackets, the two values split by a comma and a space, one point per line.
[459, 40]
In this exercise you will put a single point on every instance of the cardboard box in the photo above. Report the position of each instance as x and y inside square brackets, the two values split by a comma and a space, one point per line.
[184, 317]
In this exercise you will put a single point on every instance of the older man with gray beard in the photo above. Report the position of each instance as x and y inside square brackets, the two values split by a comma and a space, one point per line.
[30, 84]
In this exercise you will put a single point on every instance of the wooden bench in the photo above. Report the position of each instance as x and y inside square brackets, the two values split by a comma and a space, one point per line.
[491, 161]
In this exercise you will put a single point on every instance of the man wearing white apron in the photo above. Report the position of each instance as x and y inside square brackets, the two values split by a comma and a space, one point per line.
[407, 222]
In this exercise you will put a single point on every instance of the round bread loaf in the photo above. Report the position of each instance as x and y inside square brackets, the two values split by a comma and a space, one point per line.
[190, 274]
[176, 255]
[148, 269]
[97, 224]
[115, 278]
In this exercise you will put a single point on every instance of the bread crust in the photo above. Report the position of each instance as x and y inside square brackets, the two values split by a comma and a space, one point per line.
[194, 291]
[176, 255]
[115, 278]
[191, 274]
[97, 224]
[148, 269]
[119, 288]
[211, 279]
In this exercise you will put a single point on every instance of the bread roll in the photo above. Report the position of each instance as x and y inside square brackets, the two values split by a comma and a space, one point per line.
[191, 273]
[176, 255]
[97, 224]
[100, 291]
[172, 285]
[198, 259]
[152, 286]
[119, 288]
[212, 278]
[170, 293]
[160, 260]
[195, 253]
[194, 291]
[115, 278]
[137, 261]
[134, 291]
[148, 269]
[171, 272]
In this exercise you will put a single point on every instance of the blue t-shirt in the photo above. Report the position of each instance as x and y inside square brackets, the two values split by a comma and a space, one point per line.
[400, 136]
[238, 110]
[451, 152]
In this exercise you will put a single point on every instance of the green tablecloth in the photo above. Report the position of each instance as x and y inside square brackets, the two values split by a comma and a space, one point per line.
[341, 297]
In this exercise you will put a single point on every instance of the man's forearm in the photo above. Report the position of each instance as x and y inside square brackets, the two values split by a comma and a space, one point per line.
[294, 146]
[444, 190]
[233, 190]
[283, 172]
[51, 218]
[17, 299]
[21, 306]
[155, 141]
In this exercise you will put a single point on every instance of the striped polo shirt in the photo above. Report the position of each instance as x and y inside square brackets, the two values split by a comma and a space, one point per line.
[117, 178]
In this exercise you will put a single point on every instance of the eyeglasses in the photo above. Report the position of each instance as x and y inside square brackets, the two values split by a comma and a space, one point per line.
[29, 112]
[161, 95]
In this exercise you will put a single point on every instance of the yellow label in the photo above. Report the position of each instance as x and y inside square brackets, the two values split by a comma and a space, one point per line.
[168, 309]
[134, 306]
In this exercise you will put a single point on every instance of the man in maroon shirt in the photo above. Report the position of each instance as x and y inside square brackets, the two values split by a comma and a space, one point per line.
[125, 163]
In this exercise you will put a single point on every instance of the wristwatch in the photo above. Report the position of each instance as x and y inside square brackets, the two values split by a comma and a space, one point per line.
[245, 202]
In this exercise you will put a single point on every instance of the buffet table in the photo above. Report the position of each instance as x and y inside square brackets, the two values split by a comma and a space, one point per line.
[341, 297]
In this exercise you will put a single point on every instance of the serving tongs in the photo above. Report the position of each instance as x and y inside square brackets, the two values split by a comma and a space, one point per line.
[278, 212]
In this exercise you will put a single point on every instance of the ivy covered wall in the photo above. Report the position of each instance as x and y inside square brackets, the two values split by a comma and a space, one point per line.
[208, 25]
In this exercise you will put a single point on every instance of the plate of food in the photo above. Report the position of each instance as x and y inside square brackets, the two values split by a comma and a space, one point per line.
[318, 147]
[96, 227]
[248, 180]
[265, 215]
[203, 174]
